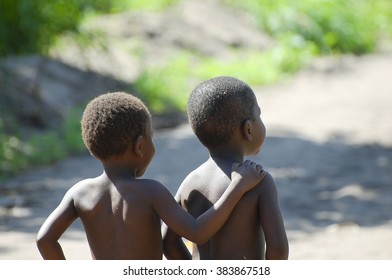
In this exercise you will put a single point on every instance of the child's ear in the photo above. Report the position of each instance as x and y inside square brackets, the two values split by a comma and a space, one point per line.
[247, 130]
[138, 146]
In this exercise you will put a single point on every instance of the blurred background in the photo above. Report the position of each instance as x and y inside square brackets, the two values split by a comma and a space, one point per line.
[309, 62]
[56, 55]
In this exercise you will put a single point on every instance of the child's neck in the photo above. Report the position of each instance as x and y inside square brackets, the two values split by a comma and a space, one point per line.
[117, 171]
[226, 156]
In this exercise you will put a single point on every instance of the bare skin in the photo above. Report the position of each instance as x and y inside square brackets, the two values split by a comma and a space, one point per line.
[121, 214]
[255, 229]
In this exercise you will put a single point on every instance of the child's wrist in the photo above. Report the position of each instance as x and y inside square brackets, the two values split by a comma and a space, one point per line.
[238, 184]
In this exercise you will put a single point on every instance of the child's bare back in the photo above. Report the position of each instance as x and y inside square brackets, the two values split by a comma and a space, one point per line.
[241, 237]
[119, 220]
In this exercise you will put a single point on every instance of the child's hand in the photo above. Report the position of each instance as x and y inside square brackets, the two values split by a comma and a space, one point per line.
[248, 174]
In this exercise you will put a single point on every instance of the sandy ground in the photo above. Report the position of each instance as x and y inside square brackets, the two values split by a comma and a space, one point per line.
[328, 146]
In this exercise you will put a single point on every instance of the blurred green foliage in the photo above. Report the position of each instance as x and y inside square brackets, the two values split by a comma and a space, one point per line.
[334, 26]
[32, 26]
[126, 5]
[12, 153]
[166, 87]
[301, 30]
[42, 148]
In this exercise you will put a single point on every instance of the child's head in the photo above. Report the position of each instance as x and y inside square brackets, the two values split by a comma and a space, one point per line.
[217, 107]
[111, 122]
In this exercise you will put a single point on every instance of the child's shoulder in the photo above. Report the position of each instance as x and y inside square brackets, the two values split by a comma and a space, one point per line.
[94, 189]
[85, 185]
[200, 174]
[204, 177]
[150, 183]
[152, 187]
[266, 186]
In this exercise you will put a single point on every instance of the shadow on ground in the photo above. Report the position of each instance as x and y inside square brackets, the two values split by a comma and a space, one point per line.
[330, 183]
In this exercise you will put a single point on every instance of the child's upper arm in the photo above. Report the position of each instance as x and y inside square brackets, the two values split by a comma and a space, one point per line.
[169, 210]
[173, 245]
[60, 219]
[271, 218]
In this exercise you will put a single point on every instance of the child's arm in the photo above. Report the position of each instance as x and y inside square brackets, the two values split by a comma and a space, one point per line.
[54, 226]
[173, 246]
[272, 222]
[244, 177]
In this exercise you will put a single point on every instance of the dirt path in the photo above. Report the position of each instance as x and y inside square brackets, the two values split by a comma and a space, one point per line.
[331, 152]
[329, 148]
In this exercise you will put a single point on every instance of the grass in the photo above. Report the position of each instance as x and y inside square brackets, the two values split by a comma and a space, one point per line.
[18, 153]
[141, 5]
[334, 26]
[166, 88]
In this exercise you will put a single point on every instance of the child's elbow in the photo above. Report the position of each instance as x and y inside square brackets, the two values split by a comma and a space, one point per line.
[199, 240]
[283, 253]
[278, 252]
[42, 241]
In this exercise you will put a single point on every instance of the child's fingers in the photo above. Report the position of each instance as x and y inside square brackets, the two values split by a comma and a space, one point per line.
[259, 168]
[250, 164]
[263, 174]
[235, 165]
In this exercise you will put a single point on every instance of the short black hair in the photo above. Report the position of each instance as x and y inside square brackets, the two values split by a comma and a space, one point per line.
[217, 106]
[111, 121]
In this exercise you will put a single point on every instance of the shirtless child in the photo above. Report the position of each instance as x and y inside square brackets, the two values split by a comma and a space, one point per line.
[225, 116]
[122, 214]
